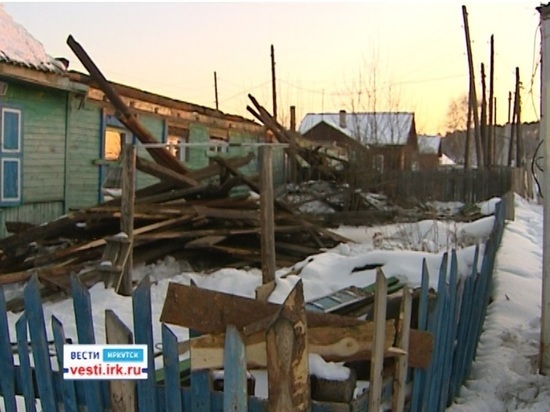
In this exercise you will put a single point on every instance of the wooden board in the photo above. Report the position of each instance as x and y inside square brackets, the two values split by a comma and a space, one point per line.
[332, 343]
[186, 306]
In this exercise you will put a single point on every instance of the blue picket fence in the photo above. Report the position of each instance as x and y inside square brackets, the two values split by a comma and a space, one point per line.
[455, 319]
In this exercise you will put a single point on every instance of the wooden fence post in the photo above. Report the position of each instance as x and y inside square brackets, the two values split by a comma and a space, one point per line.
[377, 361]
[267, 223]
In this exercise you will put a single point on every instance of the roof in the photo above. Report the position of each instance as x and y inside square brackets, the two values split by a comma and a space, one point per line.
[429, 144]
[18, 47]
[380, 128]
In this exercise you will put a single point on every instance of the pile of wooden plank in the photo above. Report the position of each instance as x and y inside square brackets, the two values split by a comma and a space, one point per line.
[201, 224]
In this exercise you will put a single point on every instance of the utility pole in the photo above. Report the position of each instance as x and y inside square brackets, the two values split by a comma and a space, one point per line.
[492, 117]
[483, 122]
[473, 97]
[495, 157]
[509, 105]
[544, 364]
[216, 89]
[273, 83]
[519, 139]
[467, 163]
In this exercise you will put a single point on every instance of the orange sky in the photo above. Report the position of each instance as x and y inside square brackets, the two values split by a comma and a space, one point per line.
[325, 52]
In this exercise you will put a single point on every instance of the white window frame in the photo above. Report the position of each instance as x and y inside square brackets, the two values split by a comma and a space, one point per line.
[3, 197]
[9, 110]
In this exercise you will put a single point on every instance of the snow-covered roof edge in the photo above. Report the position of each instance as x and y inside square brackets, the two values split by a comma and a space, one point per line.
[369, 128]
[18, 47]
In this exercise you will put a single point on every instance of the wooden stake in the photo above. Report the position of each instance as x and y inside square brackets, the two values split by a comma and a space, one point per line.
[267, 225]
[127, 214]
[473, 99]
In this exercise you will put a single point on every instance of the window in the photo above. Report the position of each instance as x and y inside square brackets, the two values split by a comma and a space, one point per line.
[217, 145]
[176, 143]
[10, 156]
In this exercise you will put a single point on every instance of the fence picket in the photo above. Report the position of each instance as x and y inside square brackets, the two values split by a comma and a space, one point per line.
[451, 324]
[25, 369]
[420, 374]
[143, 335]
[234, 378]
[39, 344]
[68, 386]
[172, 392]
[85, 330]
[7, 383]
[432, 383]
[459, 362]
[122, 391]
[201, 387]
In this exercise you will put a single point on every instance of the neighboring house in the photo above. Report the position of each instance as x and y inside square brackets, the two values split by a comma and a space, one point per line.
[60, 138]
[429, 152]
[389, 137]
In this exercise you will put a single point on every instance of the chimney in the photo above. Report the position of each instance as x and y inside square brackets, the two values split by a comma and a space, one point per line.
[293, 118]
[342, 114]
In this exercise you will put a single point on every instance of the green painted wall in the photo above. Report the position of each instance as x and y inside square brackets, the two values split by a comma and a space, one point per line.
[83, 148]
[44, 134]
[198, 155]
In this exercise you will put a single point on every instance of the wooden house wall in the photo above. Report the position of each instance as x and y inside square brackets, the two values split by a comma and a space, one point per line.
[43, 165]
[84, 146]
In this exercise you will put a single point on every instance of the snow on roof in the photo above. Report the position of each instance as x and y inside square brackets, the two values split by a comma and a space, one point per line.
[19, 47]
[429, 144]
[379, 128]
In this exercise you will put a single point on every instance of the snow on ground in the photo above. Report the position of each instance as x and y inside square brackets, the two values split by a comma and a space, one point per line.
[504, 374]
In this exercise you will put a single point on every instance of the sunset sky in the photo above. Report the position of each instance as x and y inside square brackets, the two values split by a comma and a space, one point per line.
[326, 53]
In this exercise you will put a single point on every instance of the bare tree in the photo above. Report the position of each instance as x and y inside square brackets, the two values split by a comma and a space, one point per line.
[457, 114]
[373, 91]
